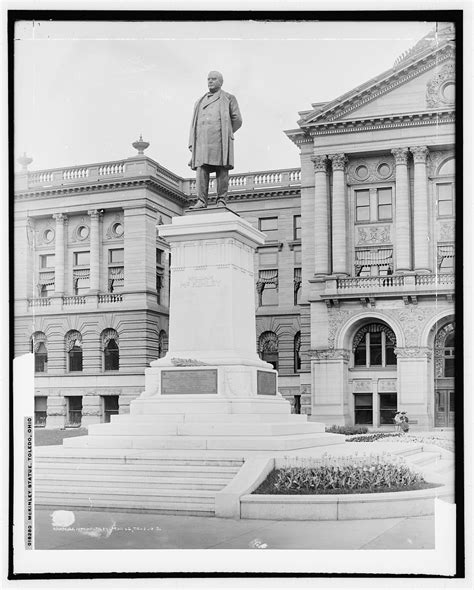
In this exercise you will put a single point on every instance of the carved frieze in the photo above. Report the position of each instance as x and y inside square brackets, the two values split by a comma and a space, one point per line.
[446, 232]
[329, 354]
[387, 385]
[440, 90]
[373, 234]
[414, 352]
[362, 386]
[79, 229]
[371, 170]
[114, 227]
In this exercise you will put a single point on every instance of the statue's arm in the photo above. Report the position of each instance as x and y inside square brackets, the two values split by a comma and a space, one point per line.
[235, 116]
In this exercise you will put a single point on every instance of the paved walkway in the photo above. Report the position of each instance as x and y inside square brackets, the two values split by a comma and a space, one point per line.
[82, 529]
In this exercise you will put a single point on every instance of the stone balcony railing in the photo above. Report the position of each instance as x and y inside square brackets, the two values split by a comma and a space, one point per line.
[75, 300]
[141, 166]
[410, 284]
[97, 173]
[256, 180]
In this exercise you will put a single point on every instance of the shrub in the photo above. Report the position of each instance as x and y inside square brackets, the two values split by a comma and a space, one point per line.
[374, 436]
[346, 429]
[353, 473]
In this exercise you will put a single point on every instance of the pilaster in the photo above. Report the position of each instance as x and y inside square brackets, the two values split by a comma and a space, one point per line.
[95, 251]
[59, 253]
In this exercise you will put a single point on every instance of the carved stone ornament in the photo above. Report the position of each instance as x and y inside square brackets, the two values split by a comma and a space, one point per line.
[320, 163]
[339, 162]
[446, 232]
[400, 155]
[373, 234]
[440, 89]
[330, 354]
[111, 232]
[368, 170]
[336, 318]
[388, 385]
[187, 362]
[80, 231]
[420, 153]
[435, 158]
[362, 386]
[414, 352]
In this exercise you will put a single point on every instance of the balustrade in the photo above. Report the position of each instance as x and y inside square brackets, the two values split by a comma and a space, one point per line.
[370, 282]
[39, 302]
[75, 173]
[74, 300]
[110, 169]
[111, 298]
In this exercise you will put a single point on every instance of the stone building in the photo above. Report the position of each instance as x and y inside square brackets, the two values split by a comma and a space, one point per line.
[354, 285]
[377, 210]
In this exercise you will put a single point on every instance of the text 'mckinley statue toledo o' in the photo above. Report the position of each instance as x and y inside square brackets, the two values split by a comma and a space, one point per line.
[215, 120]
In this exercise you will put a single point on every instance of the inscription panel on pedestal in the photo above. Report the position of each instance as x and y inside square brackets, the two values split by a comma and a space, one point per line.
[266, 383]
[189, 382]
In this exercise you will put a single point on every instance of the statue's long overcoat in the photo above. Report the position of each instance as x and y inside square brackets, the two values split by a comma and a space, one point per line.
[231, 120]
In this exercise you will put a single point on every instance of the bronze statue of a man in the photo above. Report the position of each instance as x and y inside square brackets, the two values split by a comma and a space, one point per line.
[211, 140]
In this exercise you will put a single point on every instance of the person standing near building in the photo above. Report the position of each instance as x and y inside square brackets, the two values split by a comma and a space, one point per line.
[216, 118]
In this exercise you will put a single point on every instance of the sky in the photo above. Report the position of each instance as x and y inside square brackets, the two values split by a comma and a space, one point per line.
[84, 91]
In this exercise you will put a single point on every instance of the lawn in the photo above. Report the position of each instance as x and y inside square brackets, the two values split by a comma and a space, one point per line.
[45, 437]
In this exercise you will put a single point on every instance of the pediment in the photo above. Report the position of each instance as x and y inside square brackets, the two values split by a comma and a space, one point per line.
[423, 85]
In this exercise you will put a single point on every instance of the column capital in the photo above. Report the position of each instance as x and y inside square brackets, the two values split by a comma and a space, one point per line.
[94, 213]
[60, 217]
[339, 161]
[400, 155]
[420, 153]
[320, 163]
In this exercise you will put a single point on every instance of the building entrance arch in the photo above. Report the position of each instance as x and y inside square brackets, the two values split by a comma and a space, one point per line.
[444, 350]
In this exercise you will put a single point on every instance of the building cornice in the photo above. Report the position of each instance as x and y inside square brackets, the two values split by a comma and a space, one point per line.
[379, 86]
[105, 187]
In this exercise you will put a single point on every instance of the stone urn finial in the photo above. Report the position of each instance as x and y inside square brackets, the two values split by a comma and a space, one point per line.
[25, 161]
[140, 145]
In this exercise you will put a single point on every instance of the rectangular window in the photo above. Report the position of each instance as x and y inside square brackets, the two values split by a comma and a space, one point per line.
[445, 199]
[388, 407]
[47, 261]
[47, 290]
[81, 285]
[74, 410]
[40, 411]
[362, 205]
[111, 406]
[446, 258]
[384, 203]
[363, 408]
[159, 257]
[267, 287]
[269, 226]
[116, 256]
[297, 227]
[82, 258]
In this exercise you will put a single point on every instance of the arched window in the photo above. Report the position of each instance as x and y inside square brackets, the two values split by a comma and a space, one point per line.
[74, 351]
[444, 351]
[374, 346]
[268, 348]
[296, 352]
[110, 350]
[162, 344]
[38, 348]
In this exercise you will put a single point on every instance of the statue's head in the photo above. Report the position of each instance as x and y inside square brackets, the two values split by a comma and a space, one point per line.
[214, 81]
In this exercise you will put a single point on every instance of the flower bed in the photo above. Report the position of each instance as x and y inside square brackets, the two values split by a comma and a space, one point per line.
[349, 430]
[445, 440]
[344, 475]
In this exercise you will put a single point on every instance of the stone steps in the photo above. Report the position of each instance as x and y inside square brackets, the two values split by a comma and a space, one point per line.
[137, 483]
[121, 480]
[204, 429]
[205, 442]
[198, 418]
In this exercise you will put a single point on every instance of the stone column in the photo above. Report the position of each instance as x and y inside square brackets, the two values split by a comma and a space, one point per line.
[59, 253]
[339, 237]
[95, 251]
[321, 228]
[330, 385]
[402, 211]
[420, 214]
